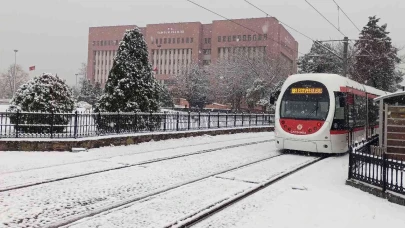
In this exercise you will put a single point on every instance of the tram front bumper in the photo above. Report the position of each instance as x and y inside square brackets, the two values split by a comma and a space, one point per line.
[324, 146]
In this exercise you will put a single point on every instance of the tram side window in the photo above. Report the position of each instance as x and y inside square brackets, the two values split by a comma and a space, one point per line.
[361, 110]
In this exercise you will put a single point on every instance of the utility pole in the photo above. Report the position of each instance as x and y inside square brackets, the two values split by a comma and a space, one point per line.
[15, 73]
[345, 47]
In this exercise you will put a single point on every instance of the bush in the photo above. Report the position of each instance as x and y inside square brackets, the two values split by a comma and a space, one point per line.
[47, 94]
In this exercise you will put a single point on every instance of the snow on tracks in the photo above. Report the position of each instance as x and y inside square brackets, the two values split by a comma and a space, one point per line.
[11, 181]
[178, 206]
[47, 204]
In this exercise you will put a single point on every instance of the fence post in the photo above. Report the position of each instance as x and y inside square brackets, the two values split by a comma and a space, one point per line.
[98, 122]
[177, 121]
[242, 119]
[350, 174]
[384, 178]
[188, 120]
[51, 124]
[226, 119]
[263, 119]
[209, 119]
[118, 122]
[250, 118]
[218, 119]
[164, 122]
[199, 119]
[75, 126]
[234, 119]
[256, 120]
[136, 121]
[16, 124]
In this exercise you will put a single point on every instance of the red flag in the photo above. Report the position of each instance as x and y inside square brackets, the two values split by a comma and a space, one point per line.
[155, 69]
[32, 68]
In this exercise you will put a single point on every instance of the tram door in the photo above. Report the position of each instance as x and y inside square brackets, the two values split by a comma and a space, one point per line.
[350, 118]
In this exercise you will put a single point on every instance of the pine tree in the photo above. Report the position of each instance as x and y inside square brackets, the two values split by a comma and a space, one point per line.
[376, 58]
[46, 93]
[130, 86]
[320, 60]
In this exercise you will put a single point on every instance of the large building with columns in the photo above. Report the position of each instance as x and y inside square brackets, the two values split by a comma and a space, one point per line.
[173, 46]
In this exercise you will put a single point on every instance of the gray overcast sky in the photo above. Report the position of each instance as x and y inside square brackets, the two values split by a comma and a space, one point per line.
[52, 34]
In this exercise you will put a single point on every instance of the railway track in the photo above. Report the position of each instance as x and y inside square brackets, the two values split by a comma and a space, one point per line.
[131, 153]
[214, 209]
[74, 219]
[10, 188]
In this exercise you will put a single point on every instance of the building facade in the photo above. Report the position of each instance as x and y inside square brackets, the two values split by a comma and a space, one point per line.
[173, 46]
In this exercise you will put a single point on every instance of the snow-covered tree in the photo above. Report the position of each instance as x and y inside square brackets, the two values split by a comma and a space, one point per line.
[376, 58]
[166, 99]
[89, 93]
[7, 78]
[192, 84]
[243, 77]
[46, 93]
[130, 86]
[320, 60]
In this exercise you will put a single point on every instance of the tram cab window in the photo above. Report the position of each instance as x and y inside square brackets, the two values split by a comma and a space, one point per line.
[305, 100]
[339, 119]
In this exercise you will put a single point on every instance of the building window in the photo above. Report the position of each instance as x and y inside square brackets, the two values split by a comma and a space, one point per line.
[265, 37]
[209, 40]
[182, 51]
[165, 40]
[157, 41]
[207, 51]
[170, 41]
[206, 62]
[153, 41]
[229, 38]
[239, 38]
[233, 38]
[94, 43]
[187, 40]
[249, 37]
[174, 40]
[101, 43]
[254, 37]
[178, 40]
[182, 40]
[224, 39]
[191, 39]
[244, 37]
[219, 39]
[260, 36]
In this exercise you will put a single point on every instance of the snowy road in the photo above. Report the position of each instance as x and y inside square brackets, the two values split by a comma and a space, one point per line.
[50, 203]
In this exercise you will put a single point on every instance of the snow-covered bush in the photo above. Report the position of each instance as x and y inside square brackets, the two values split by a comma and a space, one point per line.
[48, 94]
[131, 86]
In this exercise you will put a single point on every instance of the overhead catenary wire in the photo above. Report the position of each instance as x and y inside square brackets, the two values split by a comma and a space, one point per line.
[243, 26]
[325, 18]
[346, 15]
[315, 41]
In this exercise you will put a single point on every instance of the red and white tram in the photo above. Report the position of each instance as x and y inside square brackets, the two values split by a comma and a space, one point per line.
[324, 113]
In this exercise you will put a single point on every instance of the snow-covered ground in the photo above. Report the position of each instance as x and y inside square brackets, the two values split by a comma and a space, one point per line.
[326, 202]
[168, 208]
[49, 203]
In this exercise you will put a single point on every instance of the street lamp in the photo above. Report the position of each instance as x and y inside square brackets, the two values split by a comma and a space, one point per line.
[15, 73]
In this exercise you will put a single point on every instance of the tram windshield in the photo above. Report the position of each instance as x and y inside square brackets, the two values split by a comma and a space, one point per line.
[305, 100]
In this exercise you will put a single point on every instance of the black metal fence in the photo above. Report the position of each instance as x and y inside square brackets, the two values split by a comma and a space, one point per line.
[79, 125]
[368, 165]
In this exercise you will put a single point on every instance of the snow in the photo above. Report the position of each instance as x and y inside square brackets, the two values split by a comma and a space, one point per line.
[51, 203]
[4, 108]
[326, 202]
[38, 175]
[180, 204]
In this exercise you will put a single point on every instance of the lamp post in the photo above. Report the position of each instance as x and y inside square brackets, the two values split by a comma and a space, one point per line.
[76, 80]
[15, 73]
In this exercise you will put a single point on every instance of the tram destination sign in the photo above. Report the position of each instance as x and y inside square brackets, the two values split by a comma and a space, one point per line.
[306, 90]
